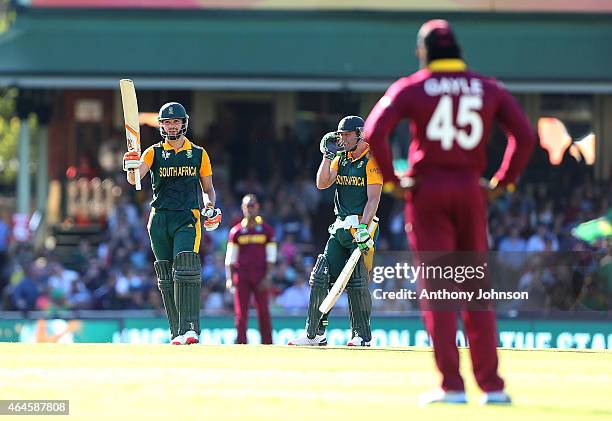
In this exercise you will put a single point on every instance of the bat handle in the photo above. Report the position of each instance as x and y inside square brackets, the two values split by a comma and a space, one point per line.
[373, 225]
[137, 178]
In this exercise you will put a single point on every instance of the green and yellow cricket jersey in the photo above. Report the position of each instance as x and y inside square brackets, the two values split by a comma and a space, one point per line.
[354, 175]
[175, 174]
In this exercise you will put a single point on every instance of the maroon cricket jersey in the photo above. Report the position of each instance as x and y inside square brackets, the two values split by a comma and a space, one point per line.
[251, 244]
[451, 111]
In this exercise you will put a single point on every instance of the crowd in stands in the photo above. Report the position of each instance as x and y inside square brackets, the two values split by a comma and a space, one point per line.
[531, 231]
[524, 228]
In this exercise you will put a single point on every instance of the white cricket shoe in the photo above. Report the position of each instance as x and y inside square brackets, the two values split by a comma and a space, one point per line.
[318, 340]
[178, 340]
[357, 341]
[496, 398]
[443, 396]
[191, 337]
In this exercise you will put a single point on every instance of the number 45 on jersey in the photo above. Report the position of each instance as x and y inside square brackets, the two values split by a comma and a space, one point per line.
[466, 130]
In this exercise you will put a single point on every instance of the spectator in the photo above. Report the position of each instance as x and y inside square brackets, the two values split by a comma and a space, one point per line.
[25, 291]
[5, 234]
[284, 275]
[537, 242]
[295, 297]
[537, 280]
[288, 249]
[61, 279]
[79, 296]
[512, 250]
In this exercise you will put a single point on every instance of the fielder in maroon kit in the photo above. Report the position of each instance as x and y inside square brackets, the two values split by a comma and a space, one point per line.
[251, 253]
[451, 111]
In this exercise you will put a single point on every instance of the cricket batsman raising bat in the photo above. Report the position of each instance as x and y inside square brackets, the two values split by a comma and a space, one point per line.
[180, 171]
[347, 163]
[132, 128]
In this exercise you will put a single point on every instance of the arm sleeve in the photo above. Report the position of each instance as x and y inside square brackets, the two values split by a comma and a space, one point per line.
[147, 156]
[380, 123]
[271, 247]
[521, 139]
[373, 174]
[334, 163]
[205, 167]
[231, 238]
[271, 252]
[231, 254]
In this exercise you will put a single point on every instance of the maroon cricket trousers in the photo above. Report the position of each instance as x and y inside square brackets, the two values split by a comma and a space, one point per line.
[247, 286]
[447, 211]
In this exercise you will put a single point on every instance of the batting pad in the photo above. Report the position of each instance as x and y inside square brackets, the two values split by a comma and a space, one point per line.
[187, 285]
[165, 283]
[319, 286]
[360, 302]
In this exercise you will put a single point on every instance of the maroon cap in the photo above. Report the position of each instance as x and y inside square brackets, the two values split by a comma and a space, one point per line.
[436, 33]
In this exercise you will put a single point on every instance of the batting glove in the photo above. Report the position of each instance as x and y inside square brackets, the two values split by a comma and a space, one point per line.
[131, 160]
[329, 145]
[363, 239]
[212, 218]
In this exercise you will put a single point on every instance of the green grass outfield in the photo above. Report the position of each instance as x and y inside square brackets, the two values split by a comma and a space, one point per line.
[278, 382]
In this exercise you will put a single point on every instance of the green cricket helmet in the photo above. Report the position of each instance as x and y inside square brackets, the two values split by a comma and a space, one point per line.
[352, 123]
[170, 111]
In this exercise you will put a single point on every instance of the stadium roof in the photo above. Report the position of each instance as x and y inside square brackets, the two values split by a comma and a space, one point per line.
[362, 51]
[394, 5]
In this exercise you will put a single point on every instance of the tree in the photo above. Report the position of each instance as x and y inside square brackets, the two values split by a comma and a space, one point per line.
[9, 135]
[9, 123]
[7, 15]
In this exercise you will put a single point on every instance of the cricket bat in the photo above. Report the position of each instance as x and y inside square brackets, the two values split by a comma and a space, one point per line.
[130, 117]
[336, 291]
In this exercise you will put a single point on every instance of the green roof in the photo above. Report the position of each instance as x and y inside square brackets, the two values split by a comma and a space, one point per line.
[344, 46]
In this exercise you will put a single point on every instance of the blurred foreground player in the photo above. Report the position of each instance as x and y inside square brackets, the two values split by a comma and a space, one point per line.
[251, 254]
[451, 110]
[180, 171]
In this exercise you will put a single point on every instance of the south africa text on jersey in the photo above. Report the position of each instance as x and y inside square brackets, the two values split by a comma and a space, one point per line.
[178, 171]
[346, 180]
